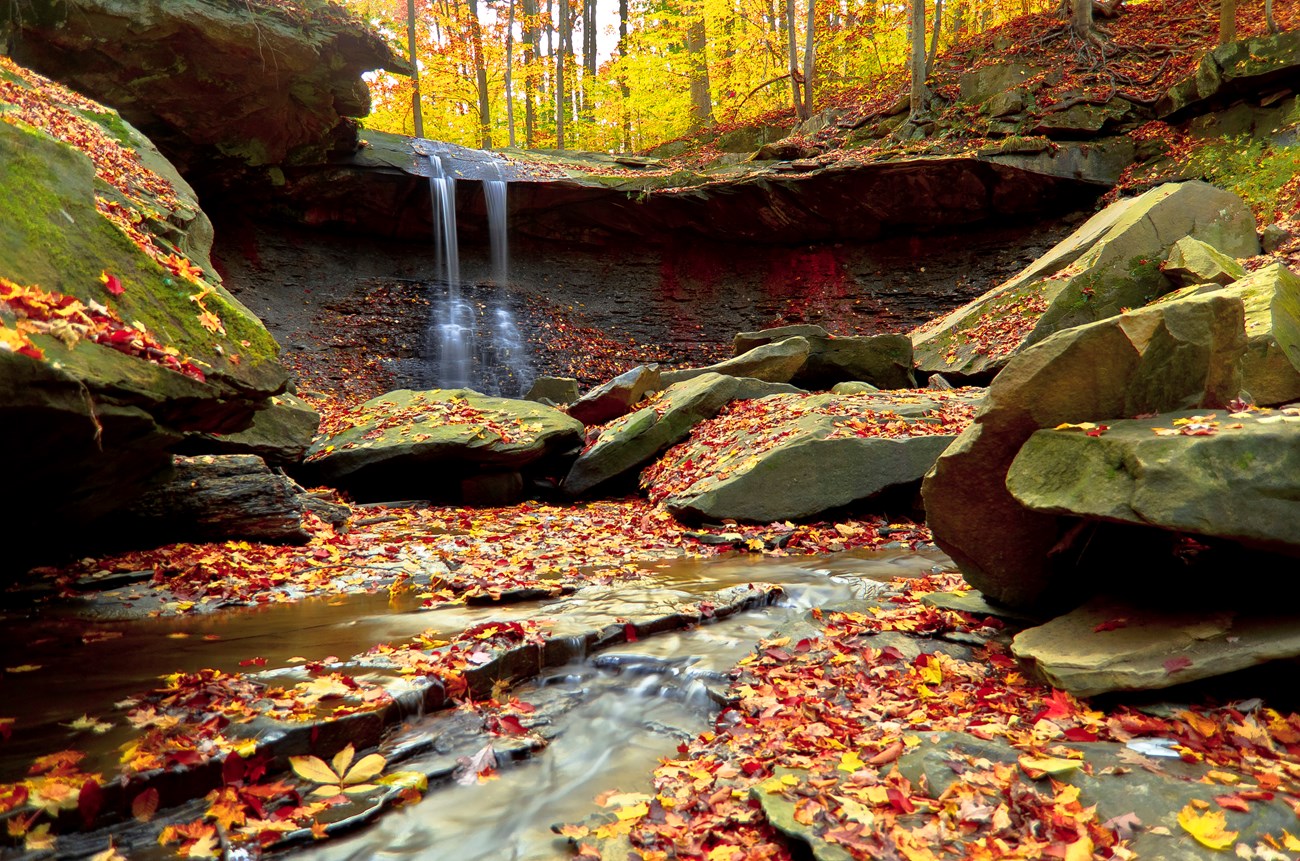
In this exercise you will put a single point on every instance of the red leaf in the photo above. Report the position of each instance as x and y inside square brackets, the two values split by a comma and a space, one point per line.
[778, 655]
[112, 284]
[1111, 625]
[900, 801]
[145, 805]
[629, 630]
[1174, 665]
[1232, 802]
[253, 662]
[90, 801]
[507, 725]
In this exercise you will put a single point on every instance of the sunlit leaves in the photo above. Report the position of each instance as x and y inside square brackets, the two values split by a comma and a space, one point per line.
[341, 775]
[1209, 828]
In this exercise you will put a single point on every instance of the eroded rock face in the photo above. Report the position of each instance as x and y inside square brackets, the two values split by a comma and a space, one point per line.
[1175, 355]
[1231, 70]
[883, 361]
[1108, 645]
[423, 445]
[213, 82]
[1271, 366]
[793, 456]
[1110, 263]
[1235, 477]
[112, 346]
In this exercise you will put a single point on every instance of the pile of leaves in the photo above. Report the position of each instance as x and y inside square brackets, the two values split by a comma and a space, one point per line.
[746, 430]
[70, 320]
[427, 411]
[821, 722]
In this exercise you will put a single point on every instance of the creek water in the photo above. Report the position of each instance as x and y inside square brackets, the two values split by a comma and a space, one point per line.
[610, 718]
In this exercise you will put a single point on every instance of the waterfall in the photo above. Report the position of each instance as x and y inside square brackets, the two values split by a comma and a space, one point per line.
[474, 348]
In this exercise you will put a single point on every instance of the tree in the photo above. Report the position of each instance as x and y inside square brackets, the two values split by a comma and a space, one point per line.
[808, 62]
[480, 76]
[920, 95]
[1081, 18]
[1227, 21]
[792, 41]
[530, 72]
[509, 82]
[701, 98]
[559, 73]
[623, 89]
[417, 111]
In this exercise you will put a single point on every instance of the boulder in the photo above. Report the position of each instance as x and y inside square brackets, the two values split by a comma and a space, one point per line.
[408, 444]
[1191, 261]
[211, 82]
[1109, 645]
[1175, 355]
[1110, 263]
[774, 363]
[1271, 367]
[1224, 476]
[113, 343]
[982, 84]
[553, 391]
[232, 497]
[281, 433]
[794, 456]
[630, 442]
[618, 396]
[853, 387]
[884, 361]
[1228, 72]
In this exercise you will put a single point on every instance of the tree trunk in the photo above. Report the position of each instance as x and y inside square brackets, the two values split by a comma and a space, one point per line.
[1269, 19]
[510, 56]
[623, 88]
[919, 94]
[530, 73]
[701, 98]
[809, 65]
[417, 110]
[480, 77]
[588, 55]
[1081, 18]
[934, 37]
[560, 106]
[792, 42]
[1227, 21]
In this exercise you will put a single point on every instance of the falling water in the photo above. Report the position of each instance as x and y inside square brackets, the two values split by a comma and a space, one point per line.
[475, 348]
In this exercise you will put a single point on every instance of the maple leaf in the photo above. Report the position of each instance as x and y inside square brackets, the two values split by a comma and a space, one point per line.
[1209, 828]
[85, 722]
[112, 283]
[341, 776]
[109, 854]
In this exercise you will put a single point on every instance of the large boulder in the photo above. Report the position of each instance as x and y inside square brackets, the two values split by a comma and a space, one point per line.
[211, 82]
[1230, 71]
[1224, 476]
[793, 456]
[114, 342]
[776, 362]
[630, 442]
[1109, 264]
[438, 444]
[884, 361]
[618, 396]
[1191, 261]
[1271, 366]
[1176, 355]
[1108, 645]
[280, 434]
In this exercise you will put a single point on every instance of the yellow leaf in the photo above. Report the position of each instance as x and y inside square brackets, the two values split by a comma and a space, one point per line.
[1079, 850]
[406, 780]
[1209, 828]
[312, 768]
[342, 760]
[850, 762]
[1040, 767]
[725, 853]
[1290, 841]
[364, 770]
[39, 838]
[109, 854]
[88, 722]
[636, 811]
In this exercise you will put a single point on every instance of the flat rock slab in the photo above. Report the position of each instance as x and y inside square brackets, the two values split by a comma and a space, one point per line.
[1233, 476]
[1110, 263]
[1107, 645]
[776, 362]
[793, 456]
[414, 444]
[629, 443]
